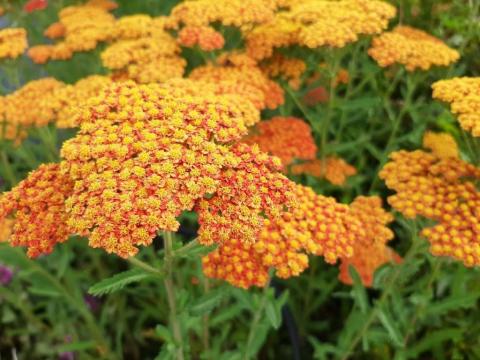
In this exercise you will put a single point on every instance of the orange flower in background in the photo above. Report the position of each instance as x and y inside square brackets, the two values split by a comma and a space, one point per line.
[206, 37]
[370, 251]
[314, 224]
[462, 95]
[38, 206]
[333, 169]
[13, 42]
[316, 23]
[107, 5]
[443, 190]
[442, 145]
[411, 47]
[149, 151]
[55, 31]
[40, 54]
[317, 95]
[242, 71]
[288, 138]
[291, 69]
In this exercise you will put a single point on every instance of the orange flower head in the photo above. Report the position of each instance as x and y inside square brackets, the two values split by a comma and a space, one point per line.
[248, 191]
[143, 155]
[13, 42]
[244, 72]
[38, 206]
[206, 37]
[333, 169]
[291, 69]
[462, 95]
[411, 47]
[288, 138]
[442, 190]
[55, 31]
[6, 226]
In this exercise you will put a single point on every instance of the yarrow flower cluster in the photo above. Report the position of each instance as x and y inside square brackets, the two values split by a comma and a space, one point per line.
[288, 138]
[370, 251]
[443, 190]
[333, 169]
[411, 47]
[462, 95]
[146, 153]
[205, 37]
[143, 51]
[288, 68]
[80, 28]
[314, 225]
[6, 226]
[242, 72]
[38, 206]
[13, 42]
[316, 23]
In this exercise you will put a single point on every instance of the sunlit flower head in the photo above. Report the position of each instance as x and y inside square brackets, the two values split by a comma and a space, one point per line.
[288, 138]
[319, 23]
[290, 69]
[333, 169]
[411, 47]
[149, 151]
[38, 206]
[13, 42]
[443, 190]
[462, 95]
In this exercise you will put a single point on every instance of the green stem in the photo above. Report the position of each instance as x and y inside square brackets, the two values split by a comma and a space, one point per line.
[387, 291]
[170, 288]
[144, 266]
[257, 316]
[206, 320]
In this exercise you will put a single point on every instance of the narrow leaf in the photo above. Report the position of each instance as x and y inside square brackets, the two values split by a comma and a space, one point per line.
[118, 282]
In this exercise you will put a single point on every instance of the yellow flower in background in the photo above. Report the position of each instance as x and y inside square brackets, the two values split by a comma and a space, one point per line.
[6, 229]
[206, 37]
[442, 145]
[411, 47]
[319, 23]
[443, 190]
[13, 42]
[463, 95]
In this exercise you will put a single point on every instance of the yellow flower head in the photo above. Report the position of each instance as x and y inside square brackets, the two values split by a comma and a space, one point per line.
[288, 138]
[206, 37]
[411, 47]
[462, 93]
[13, 42]
[38, 206]
[291, 69]
[316, 23]
[443, 190]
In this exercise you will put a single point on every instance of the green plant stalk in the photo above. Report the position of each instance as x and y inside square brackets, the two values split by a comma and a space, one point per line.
[391, 282]
[257, 316]
[9, 174]
[206, 320]
[397, 121]
[170, 288]
[144, 266]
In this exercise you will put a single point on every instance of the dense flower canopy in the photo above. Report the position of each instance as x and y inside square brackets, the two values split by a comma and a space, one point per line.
[462, 94]
[443, 190]
[411, 47]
